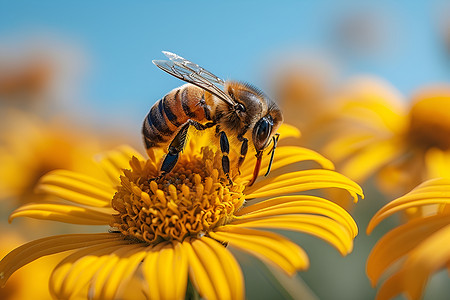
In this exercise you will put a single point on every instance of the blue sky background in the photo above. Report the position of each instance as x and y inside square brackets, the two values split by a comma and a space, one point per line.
[233, 39]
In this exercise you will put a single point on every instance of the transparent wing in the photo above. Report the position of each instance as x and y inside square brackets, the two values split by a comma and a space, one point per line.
[193, 73]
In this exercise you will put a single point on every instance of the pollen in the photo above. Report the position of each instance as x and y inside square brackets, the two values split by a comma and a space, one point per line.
[190, 201]
[430, 119]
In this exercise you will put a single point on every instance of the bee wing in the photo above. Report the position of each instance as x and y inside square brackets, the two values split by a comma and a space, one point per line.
[193, 73]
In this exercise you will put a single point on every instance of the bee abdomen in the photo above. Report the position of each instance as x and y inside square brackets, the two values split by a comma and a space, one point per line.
[172, 111]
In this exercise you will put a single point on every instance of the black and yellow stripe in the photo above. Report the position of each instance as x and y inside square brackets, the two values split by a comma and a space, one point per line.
[168, 114]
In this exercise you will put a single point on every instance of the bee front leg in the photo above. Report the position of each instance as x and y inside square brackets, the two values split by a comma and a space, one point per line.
[225, 148]
[177, 146]
[244, 149]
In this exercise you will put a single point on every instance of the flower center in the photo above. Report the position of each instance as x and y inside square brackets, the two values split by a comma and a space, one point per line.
[430, 119]
[189, 201]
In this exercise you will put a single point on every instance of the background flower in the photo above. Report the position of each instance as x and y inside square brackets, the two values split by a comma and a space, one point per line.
[412, 252]
[377, 134]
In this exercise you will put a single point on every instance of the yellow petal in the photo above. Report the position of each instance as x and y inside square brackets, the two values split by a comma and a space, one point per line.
[399, 242]
[213, 267]
[374, 113]
[435, 191]
[151, 273]
[437, 162]
[73, 274]
[46, 246]
[431, 255]
[300, 181]
[198, 273]
[267, 246]
[64, 213]
[370, 159]
[117, 269]
[284, 156]
[300, 204]
[287, 130]
[171, 267]
[319, 226]
[75, 188]
[345, 145]
[392, 287]
[114, 161]
[230, 266]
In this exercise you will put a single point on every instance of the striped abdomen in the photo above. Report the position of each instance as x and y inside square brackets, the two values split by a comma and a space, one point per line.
[169, 113]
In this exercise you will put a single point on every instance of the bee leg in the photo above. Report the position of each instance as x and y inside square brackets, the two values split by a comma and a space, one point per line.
[244, 149]
[225, 148]
[177, 146]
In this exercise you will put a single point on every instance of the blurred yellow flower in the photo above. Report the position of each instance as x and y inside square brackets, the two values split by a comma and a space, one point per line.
[412, 252]
[29, 148]
[179, 226]
[20, 286]
[37, 70]
[376, 133]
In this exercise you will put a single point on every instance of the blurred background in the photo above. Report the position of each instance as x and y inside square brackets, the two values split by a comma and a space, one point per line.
[79, 76]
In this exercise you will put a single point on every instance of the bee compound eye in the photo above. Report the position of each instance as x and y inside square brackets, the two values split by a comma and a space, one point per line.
[263, 130]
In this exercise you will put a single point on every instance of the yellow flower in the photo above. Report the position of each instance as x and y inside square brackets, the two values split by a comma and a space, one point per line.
[376, 133]
[34, 71]
[412, 252]
[30, 148]
[167, 230]
[20, 286]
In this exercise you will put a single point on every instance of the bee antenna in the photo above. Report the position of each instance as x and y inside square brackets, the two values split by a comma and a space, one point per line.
[275, 141]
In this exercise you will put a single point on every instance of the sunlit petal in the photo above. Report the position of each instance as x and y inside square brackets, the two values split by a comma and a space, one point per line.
[284, 156]
[399, 242]
[73, 274]
[299, 204]
[64, 213]
[231, 268]
[199, 275]
[431, 255]
[114, 161]
[267, 246]
[300, 181]
[77, 189]
[435, 191]
[368, 160]
[46, 246]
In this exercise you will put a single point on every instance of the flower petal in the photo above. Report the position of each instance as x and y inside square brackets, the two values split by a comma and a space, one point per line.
[391, 287]
[267, 246]
[299, 204]
[369, 159]
[400, 241]
[319, 226]
[72, 276]
[435, 191]
[114, 161]
[166, 269]
[64, 213]
[431, 255]
[300, 181]
[223, 270]
[287, 130]
[76, 188]
[150, 270]
[46, 246]
[284, 156]
[233, 272]
[198, 273]
[117, 269]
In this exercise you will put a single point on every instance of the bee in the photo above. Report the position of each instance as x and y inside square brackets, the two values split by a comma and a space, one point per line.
[239, 110]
